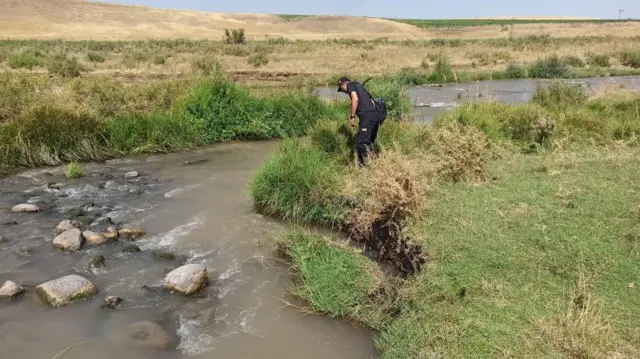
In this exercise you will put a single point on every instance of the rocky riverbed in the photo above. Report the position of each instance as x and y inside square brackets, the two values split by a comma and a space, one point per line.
[167, 262]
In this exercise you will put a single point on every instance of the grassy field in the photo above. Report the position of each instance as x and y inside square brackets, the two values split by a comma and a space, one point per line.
[528, 217]
[501, 22]
[283, 60]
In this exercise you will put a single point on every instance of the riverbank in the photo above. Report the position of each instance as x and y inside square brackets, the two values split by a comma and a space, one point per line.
[513, 226]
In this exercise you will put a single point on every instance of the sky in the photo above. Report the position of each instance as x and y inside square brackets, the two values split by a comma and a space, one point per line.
[412, 9]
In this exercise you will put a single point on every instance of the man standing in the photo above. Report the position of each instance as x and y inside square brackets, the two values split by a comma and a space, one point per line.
[364, 107]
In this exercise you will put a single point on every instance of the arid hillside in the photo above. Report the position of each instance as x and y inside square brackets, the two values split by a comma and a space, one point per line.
[78, 19]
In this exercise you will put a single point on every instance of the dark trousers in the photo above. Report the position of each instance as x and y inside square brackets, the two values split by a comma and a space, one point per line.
[368, 125]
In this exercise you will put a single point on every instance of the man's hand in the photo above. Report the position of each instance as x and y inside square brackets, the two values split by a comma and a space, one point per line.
[352, 121]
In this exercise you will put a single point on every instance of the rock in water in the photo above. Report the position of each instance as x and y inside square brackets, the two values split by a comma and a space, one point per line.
[131, 249]
[111, 302]
[142, 336]
[132, 174]
[130, 233]
[25, 208]
[10, 289]
[93, 238]
[70, 240]
[187, 279]
[163, 255]
[65, 290]
[111, 233]
[97, 262]
[64, 226]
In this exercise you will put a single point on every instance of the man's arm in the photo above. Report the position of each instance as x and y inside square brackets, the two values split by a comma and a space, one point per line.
[354, 104]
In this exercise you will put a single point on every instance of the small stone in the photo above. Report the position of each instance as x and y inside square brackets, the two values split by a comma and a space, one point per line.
[102, 185]
[25, 207]
[163, 255]
[65, 290]
[132, 174]
[71, 240]
[111, 233]
[65, 226]
[93, 238]
[130, 233]
[10, 223]
[187, 279]
[10, 289]
[97, 262]
[111, 302]
[147, 336]
[132, 248]
[76, 212]
[53, 185]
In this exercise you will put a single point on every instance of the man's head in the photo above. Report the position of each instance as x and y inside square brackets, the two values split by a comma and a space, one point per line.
[342, 84]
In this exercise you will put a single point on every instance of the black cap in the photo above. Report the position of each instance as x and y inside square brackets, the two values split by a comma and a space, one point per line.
[341, 81]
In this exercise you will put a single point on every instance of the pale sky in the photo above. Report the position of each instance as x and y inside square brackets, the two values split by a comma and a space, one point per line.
[414, 9]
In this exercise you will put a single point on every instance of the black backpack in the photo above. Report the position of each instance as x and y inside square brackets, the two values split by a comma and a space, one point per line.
[381, 106]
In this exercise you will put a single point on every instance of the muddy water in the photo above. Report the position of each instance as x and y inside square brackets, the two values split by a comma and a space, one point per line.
[431, 100]
[192, 204]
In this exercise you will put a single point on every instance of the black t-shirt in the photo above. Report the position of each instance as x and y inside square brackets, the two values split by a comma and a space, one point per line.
[365, 102]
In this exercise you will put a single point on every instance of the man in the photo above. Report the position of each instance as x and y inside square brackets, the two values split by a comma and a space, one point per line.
[363, 106]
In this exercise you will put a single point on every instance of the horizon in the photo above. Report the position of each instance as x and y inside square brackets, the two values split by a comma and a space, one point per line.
[412, 9]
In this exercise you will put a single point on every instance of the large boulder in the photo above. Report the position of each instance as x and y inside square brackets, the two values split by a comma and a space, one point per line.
[25, 207]
[65, 290]
[70, 240]
[187, 279]
[130, 233]
[93, 238]
[10, 289]
[111, 233]
[65, 226]
[146, 336]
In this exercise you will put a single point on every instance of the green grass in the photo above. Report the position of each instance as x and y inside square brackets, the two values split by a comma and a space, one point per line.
[73, 170]
[26, 59]
[429, 23]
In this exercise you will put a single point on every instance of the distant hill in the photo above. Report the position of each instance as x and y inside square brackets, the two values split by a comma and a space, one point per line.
[78, 19]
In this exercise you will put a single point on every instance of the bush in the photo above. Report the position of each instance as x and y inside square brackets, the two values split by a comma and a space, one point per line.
[600, 60]
[257, 60]
[26, 59]
[236, 50]
[559, 94]
[73, 170]
[65, 67]
[631, 59]
[206, 66]
[235, 36]
[515, 71]
[550, 67]
[159, 60]
[93, 56]
[297, 183]
[573, 61]
[442, 72]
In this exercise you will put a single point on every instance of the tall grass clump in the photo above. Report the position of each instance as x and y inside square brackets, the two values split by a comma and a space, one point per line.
[515, 71]
[297, 183]
[600, 60]
[630, 58]
[26, 59]
[258, 59]
[73, 170]
[442, 71]
[234, 36]
[573, 61]
[559, 94]
[550, 67]
[64, 66]
[206, 65]
[93, 56]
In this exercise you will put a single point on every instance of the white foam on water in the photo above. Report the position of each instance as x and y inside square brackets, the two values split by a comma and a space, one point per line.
[194, 338]
[176, 191]
[169, 238]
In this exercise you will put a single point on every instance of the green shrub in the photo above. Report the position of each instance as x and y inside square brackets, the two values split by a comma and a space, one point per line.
[235, 36]
[258, 60]
[73, 170]
[159, 60]
[236, 50]
[64, 67]
[206, 65]
[573, 61]
[631, 59]
[515, 71]
[442, 71]
[26, 59]
[600, 60]
[550, 67]
[334, 138]
[560, 94]
[296, 183]
[93, 56]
